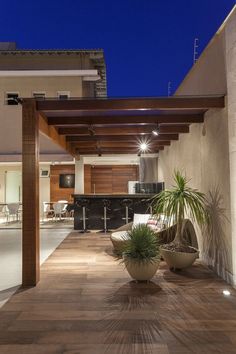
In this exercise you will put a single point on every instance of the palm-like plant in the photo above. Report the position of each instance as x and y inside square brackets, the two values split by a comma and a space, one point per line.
[175, 203]
[142, 245]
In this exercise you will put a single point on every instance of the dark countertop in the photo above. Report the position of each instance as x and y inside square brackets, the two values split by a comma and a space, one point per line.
[113, 196]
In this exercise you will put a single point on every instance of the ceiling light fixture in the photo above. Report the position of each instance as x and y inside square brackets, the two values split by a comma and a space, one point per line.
[143, 146]
[156, 131]
[91, 130]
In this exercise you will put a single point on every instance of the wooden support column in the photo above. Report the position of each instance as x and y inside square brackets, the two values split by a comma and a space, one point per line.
[30, 182]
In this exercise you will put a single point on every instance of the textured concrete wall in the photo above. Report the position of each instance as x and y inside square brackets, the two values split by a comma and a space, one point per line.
[203, 155]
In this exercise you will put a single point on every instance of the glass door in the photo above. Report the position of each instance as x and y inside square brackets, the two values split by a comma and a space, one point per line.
[13, 192]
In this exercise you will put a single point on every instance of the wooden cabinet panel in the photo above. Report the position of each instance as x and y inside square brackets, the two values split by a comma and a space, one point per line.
[120, 177]
[101, 179]
[109, 179]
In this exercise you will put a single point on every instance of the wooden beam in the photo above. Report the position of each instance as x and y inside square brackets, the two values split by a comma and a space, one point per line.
[128, 150]
[30, 182]
[171, 128]
[150, 119]
[131, 138]
[121, 144]
[114, 152]
[51, 132]
[111, 152]
[174, 102]
[125, 130]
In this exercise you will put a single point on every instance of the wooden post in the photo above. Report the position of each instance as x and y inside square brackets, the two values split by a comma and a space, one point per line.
[30, 182]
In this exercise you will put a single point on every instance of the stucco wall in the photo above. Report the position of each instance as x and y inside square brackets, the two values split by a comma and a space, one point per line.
[230, 35]
[203, 155]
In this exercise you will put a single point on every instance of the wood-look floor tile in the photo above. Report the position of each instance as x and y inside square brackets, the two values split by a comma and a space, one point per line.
[86, 303]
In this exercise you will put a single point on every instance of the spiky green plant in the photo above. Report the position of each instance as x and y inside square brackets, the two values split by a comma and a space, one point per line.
[142, 245]
[179, 201]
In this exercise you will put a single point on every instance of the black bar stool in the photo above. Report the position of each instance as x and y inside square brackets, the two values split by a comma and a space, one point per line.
[126, 203]
[106, 205]
[83, 203]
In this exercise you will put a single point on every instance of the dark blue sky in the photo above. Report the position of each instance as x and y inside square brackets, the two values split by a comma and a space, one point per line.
[146, 42]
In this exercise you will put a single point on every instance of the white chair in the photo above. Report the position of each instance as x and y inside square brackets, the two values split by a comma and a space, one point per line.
[65, 202]
[13, 211]
[58, 209]
[46, 210]
[3, 212]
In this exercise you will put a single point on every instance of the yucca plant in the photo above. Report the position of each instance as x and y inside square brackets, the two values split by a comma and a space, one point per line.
[179, 201]
[142, 245]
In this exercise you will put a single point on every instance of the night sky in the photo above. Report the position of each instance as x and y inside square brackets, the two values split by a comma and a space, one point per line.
[146, 42]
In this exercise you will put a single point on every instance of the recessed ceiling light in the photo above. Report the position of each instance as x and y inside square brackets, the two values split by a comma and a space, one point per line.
[226, 292]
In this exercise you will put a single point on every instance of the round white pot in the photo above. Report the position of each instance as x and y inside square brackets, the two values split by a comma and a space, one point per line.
[179, 260]
[141, 270]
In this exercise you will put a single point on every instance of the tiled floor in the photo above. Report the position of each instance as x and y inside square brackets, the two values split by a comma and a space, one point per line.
[87, 304]
[66, 223]
[10, 256]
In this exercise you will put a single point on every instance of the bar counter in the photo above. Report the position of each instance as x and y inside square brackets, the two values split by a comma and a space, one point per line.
[116, 211]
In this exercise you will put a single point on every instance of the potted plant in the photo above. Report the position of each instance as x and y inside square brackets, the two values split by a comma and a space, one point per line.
[141, 253]
[176, 203]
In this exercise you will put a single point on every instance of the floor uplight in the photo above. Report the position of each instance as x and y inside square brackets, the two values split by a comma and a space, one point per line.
[226, 292]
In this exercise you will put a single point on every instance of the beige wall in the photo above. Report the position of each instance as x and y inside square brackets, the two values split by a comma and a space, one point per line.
[50, 85]
[203, 155]
[10, 116]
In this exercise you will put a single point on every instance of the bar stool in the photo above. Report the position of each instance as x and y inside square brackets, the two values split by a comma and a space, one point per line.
[106, 205]
[126, 203]
[83, 203]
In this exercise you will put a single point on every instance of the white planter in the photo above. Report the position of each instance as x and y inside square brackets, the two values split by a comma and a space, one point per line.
[141, 270]
[179, 260]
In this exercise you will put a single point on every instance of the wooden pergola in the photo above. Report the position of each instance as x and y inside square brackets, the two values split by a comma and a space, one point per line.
[96, 126]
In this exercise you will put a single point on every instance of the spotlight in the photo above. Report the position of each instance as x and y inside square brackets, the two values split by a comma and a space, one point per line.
[226, 292]
[156, 131]
[143, 146]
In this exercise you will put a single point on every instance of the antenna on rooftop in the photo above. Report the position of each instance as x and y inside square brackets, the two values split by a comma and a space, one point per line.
[169, 88]
[195, 52]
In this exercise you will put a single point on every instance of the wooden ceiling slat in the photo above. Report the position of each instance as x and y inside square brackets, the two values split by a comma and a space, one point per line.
[151, 119]
[131, 138]
[116, 152]
[117, 124]
[119, 146]
[175, 102]
[116, 148]
[125, 130]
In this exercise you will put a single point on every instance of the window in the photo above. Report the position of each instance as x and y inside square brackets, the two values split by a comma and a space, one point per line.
[12, 98]
[63, 95]
[39, 95]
